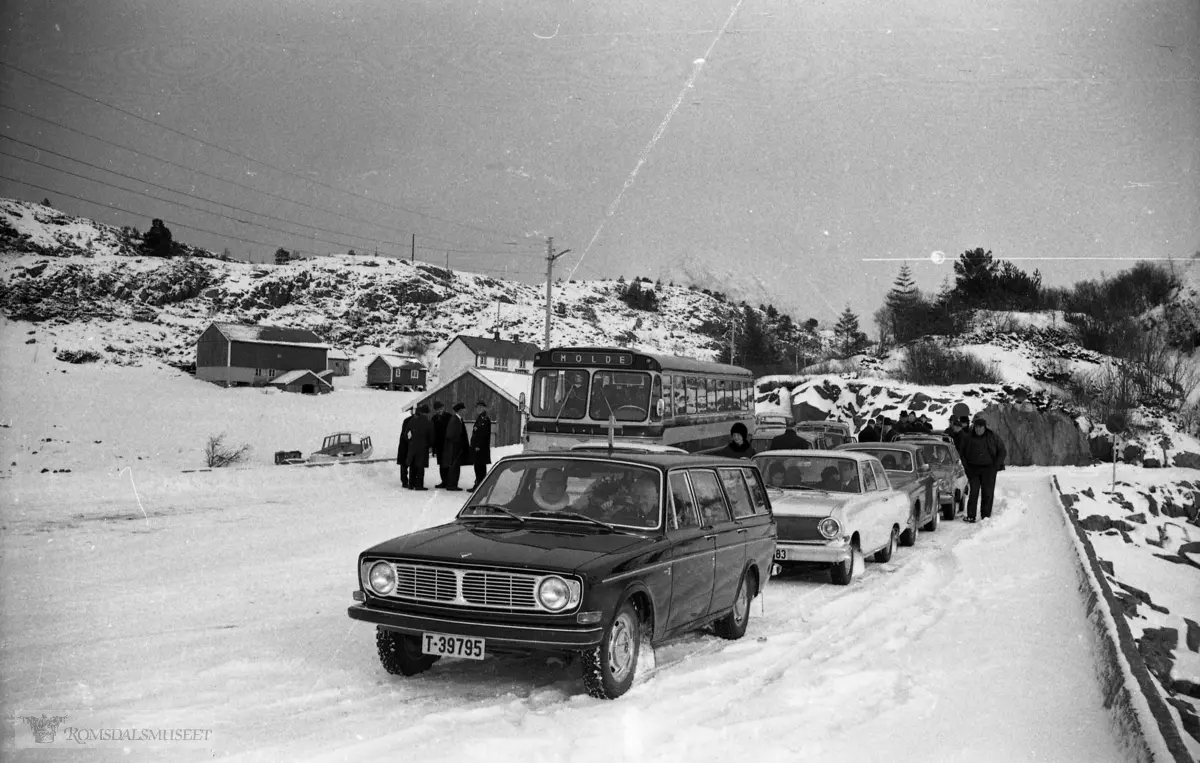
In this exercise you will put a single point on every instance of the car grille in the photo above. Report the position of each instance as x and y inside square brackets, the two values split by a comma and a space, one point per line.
[465, 587]
[798, 528]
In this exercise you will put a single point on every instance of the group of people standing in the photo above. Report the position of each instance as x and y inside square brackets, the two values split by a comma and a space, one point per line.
[444, 436]
[883, 429]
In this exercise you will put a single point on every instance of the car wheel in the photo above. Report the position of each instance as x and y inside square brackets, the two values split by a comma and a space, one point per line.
[733, 625]
[885, 554]
[609, 669]
[400, 653]
[932, 524]
[909, 536]
[949, 509]
[843, 572]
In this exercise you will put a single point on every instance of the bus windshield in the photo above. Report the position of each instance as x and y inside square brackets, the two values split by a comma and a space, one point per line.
[560, 393]
[625, 393]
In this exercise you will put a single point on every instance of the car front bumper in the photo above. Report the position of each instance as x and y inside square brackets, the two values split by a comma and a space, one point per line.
[515, 636]
[812, 551]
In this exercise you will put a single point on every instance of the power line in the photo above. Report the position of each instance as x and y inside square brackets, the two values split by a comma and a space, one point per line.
[231, 152]
[232, 182]
[177, 224]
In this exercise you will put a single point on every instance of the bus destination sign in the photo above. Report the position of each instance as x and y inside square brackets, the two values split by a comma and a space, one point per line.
[617, 359]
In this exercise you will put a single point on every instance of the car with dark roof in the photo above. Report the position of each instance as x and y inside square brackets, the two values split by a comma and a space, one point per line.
[907, 470]
[941, 454]
[575, 552]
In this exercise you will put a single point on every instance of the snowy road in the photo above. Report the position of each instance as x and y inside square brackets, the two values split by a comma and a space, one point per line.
[970, 646]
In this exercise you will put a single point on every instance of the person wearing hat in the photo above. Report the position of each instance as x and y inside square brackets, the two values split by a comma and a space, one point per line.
[420, 441]
[983, 454]
[481, 442]
[402, 448]
[739, 443]
[455, 453]
[440, 420]
[955, 430]
[924, 424]
[887, 432]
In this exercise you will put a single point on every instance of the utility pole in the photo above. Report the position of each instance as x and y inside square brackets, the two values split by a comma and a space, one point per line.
[412, 256]
[550, 258]
[732, 342]
[447, 261]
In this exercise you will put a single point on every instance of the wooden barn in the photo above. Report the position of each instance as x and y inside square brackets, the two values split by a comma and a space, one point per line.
[504, 392]
[232, 354]
[397, 372]
[303, 381]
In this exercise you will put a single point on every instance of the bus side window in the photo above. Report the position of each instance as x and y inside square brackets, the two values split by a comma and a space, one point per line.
[656, 395]
[710, 396]
[695, 392]
[679, 394]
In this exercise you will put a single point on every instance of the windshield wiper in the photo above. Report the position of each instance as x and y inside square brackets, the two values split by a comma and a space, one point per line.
[496, 507]
[570, 515]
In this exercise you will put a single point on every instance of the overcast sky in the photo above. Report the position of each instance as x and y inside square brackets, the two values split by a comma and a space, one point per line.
[761, 147]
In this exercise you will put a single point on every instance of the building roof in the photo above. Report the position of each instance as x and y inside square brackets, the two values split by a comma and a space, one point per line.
[336, 354]
[238, 332]
[324, 374]
[399, 361]
[293, 376]
[496, 348]
[509, 384]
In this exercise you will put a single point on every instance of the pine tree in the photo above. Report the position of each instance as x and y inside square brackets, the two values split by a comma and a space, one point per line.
[903, 304]
[846, 334]
[157, 241]
[46, 202]
[282, 256]
[975, 276]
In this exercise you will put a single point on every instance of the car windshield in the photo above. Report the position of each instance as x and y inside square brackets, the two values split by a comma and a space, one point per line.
[935, 454]
[576, 490]
[626, 394]
[893, 460]
[838, 475]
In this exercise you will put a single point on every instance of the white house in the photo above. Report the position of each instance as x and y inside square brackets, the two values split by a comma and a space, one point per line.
[498, 354]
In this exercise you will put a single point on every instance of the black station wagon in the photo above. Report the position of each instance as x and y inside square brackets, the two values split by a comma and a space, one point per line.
[584, 553]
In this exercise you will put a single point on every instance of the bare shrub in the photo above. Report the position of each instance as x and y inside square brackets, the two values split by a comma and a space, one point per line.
[218, 454]
[78, 356]
[930, 363]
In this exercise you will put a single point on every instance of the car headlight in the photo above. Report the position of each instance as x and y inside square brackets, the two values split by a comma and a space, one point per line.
[382, 578]
[556, 594]
[830, 527]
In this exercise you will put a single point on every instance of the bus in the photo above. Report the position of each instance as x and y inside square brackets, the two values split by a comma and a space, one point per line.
[651, 398]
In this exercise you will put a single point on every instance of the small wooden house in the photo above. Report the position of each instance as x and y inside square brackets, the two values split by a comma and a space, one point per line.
[396, 372]
[339, 362]
[232, 354]
[504, 392]
[303, 381]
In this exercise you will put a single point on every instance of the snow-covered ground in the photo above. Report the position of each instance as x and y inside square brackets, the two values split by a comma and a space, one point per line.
[136, 595]
[216, 600]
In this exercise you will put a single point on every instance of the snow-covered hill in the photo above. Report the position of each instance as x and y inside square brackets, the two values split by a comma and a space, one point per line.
[70, 270]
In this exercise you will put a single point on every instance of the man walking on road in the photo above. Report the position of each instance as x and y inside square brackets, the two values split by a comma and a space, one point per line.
[983, 455]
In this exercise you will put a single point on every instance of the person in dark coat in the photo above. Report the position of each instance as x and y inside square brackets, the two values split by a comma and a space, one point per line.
[739, 443]
[402, 449]
[455, 452]
[420, 440]
[887, 433]
[983, 454]
[441, 418]
[481, 442]
[790, 440]
[955, 431]
[870, 433]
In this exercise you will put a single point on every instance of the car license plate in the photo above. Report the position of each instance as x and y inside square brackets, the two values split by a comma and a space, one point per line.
[781, 553]
[445, 645]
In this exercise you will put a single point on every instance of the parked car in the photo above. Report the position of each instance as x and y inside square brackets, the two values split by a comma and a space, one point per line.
[940, 453]
[831, 506]
[342, 447]
[575, 553]
[833, 433]
[601, 446]
[906, 469]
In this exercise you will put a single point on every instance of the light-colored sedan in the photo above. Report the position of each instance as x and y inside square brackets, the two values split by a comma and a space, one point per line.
[831, 507]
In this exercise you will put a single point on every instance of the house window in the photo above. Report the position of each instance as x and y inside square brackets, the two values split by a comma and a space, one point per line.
[414, 374]
[271, 372]
[482, 361]
[500, 362]
[521, 364]
[258, 372]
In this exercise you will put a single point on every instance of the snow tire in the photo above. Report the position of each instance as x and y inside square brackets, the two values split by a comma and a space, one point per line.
[909, 536]
[400, 653]
[885, 554]
[609, 669]
[733, 625]
[842, 573]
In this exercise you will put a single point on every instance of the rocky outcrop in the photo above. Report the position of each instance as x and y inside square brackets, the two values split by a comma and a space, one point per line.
[1042, 438]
